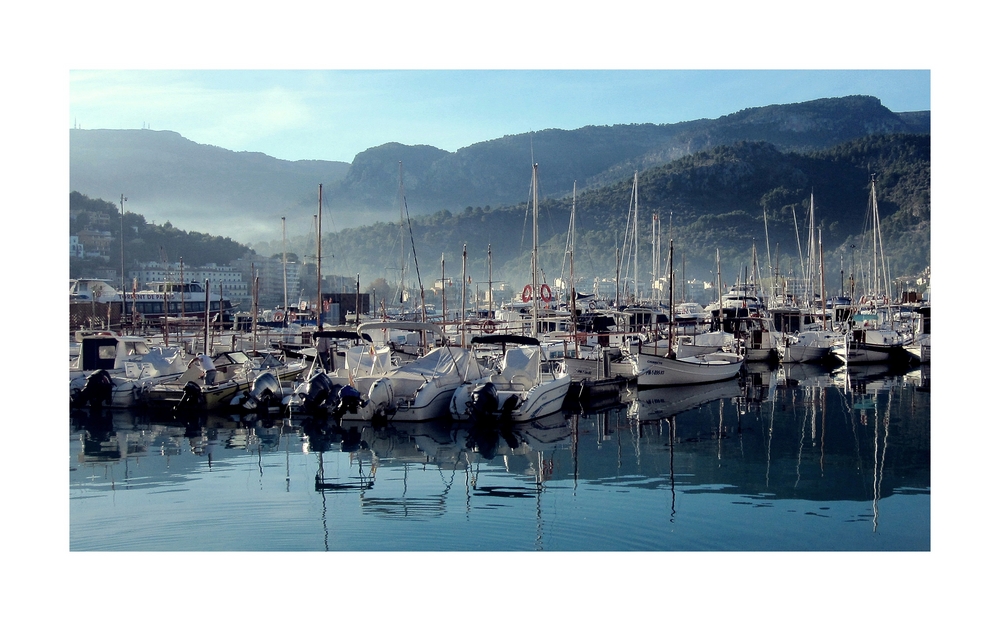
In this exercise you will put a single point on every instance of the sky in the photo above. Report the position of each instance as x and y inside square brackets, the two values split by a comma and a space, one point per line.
[334, 115]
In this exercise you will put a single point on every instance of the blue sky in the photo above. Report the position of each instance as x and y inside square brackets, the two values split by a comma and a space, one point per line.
[333, 115]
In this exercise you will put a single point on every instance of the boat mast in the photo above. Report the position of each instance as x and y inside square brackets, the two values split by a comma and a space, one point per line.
[822, 277]
[572, 279]
[770, 268]
[656, 259]
[464, 293]
[489, 276]
[402, 238]
[795, 222]
[534, 251]
[208, 319]
[635, 239]
[718, 275]
[284, 273]
[670, 310]
[319, 258]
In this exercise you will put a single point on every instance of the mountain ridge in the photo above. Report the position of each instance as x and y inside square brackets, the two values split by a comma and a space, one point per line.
[243, 194]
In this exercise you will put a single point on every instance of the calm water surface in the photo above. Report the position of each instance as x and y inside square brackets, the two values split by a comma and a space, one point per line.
[795, 458]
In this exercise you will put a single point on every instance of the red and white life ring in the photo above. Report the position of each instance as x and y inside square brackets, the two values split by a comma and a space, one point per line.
[545, 292]
[526, 293]
[279, 316]
[489, 327]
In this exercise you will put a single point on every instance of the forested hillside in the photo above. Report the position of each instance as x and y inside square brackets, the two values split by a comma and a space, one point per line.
[143, 241]
[710, 200]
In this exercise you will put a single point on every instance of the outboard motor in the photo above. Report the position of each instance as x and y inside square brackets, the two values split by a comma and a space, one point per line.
[483, 402]
[317, 392]
[265, 387]
[350, 400]
[95, 391]
[191, 396]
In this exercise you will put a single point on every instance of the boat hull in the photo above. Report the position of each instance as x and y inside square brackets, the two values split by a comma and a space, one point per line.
[805, 353]
[540, 400]
[653, 370]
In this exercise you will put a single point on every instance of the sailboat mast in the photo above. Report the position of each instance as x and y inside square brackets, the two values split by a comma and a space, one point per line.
[465, 294]
[402, 238]
[572, 278]
[656, 257]
[635, 239]
[770, 267]
[718, 275]
[489, 276]
[319, 259]
[284, 273]
[822, 277]
[670, 310]
[534, 250]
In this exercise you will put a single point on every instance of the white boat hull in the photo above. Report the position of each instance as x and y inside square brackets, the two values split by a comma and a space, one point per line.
[805, 353]
[654, 370]
[540, 400]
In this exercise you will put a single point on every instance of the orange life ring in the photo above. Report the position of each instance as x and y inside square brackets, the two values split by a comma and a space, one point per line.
[489, 327]
[526, 293]
[278, 316]
[545, 292]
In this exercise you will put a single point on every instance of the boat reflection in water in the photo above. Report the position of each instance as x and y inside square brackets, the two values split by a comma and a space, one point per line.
[791, 458]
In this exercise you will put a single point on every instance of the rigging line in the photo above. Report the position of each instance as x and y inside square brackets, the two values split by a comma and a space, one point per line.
[409, 225]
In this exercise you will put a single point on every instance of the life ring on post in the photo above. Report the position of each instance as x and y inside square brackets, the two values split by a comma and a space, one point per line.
[489, 327]
[526, 293]
[545, 292]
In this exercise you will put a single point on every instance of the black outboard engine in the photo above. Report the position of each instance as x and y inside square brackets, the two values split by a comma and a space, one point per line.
[483, 402]
[317, 392]
[350, 400]
[264, 389]
[96, 390]
[190, 398]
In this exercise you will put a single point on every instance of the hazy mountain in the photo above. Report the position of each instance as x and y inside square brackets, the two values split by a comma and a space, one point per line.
[167, 177]
[243, 195]
[714, 199]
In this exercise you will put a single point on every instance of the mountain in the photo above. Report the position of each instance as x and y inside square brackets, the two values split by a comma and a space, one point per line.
[167, 177]
[713, 199]
[241, 195]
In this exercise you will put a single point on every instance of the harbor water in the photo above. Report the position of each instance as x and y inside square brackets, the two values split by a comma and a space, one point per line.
[794, 458]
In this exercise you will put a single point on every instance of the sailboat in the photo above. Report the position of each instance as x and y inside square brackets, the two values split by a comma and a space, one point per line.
[655, 369]
[872, 336]
[594, 367]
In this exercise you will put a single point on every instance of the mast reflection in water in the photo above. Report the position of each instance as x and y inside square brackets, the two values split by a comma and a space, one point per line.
[796, 458]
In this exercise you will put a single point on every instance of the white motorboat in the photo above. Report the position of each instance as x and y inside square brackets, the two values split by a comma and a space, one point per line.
[524, 387]
[112, 370]
[235, 373]
[416, 391]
